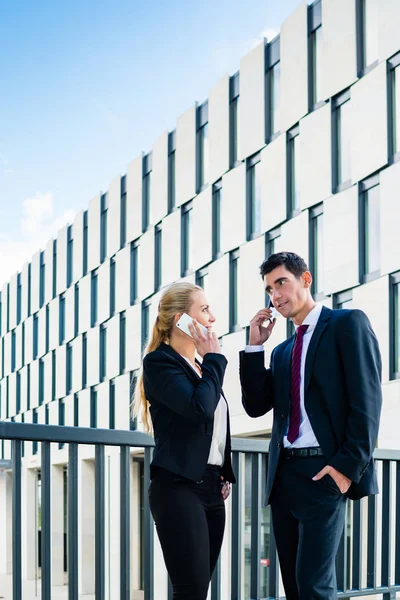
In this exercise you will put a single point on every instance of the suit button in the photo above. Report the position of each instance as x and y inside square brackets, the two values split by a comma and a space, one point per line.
[278, 444]
[283, 416]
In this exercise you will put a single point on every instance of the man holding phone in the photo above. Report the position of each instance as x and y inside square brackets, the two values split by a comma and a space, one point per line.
[324, 386]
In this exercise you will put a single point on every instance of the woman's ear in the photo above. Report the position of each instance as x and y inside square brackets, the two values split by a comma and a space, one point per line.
[177, 317]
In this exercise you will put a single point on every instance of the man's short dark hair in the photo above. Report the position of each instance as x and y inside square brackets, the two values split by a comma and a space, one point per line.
[291, 261]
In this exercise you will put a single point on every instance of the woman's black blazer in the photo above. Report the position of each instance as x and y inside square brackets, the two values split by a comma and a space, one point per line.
[182, 407]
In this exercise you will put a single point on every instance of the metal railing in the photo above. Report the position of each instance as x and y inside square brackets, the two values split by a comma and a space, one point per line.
[368, 561]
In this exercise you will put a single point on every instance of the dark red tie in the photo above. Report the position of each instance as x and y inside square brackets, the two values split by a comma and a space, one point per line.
[294, 421]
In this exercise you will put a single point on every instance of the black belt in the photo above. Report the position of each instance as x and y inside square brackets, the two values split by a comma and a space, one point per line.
[301, 452]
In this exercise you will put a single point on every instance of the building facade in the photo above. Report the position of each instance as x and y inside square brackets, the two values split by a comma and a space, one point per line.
[300, 151]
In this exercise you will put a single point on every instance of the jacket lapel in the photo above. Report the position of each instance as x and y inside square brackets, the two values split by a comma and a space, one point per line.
[312, 348]
[287, 366]
[188, 369]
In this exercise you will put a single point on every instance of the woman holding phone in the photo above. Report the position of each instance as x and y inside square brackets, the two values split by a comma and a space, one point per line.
[180, 399]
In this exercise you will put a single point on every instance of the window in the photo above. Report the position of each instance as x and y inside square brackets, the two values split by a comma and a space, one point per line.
[122, 342]
[93, 299]
[343, 300]
[370, 228]
[47, 328]
[18, 393]
[42, 279]
[145, 322]
[1, 316]
[70, 255]
[84, 361]
[76, 315]
[112, 287]
[103, 227]
[112, 404]
[41, 381]
[290, 328]
[53, 375]
[270, 241]
[103, 352]
[123, 212]
[342, 141]
[202, 279]
[62, 320]
[367, 28]
[133, 379]
[157, 257]
[34, 421]
[19, 300]
[29, 289]
[233, 291]
[68, 370]
[35, 335]
[13, 351]
[8, 307]
[146, 192]
[394, 107]
[134, 271]
[61, 418]
[395, 326]
[171, 172]
[186, 238]
[253, 196]
[85, 243]
[315, 54]
[234, 118]
[54, 268]
[28, 387]
[93, 407]
[293, 171]
[273, 88]
[216, 220]
[317, 249]
[202, 146]
[23, 346]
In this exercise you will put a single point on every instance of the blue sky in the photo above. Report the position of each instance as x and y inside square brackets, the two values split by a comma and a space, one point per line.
[87, 85]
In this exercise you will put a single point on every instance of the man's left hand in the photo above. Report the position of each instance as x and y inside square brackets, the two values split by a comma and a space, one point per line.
[341, 480]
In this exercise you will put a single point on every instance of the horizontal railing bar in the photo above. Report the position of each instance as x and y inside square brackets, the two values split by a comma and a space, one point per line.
[368, 592]
[76, 435]
[250, 445]
[383, 454]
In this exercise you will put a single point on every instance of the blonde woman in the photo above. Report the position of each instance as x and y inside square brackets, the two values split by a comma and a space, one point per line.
[181, 400]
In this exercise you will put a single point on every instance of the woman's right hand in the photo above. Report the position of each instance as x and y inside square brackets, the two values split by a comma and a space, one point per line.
[204, 342]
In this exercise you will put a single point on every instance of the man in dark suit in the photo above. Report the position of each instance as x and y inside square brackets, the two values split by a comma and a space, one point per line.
[324, 386]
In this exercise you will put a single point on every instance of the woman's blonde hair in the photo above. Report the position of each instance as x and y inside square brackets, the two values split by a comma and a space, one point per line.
[176, 298]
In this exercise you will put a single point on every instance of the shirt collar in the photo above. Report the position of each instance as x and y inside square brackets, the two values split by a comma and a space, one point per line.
[312, 318]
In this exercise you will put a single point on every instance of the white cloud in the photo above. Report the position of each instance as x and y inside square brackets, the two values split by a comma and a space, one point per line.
[39, 223]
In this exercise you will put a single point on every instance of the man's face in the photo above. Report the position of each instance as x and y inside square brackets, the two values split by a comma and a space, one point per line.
[288, 293]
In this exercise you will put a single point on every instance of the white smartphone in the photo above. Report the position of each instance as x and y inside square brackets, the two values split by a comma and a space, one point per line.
[273, 309]
[184, 321]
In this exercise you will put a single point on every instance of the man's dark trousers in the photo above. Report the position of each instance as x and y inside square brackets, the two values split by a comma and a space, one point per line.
[308, 519]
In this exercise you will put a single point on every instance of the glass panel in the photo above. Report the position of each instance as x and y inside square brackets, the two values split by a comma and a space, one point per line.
[317, 73]
[294, 174]
[275, 97]
[346, 304]
[217, 221]
[255, 192]
[396, 109]
[318, 253]
[187, 240]
[371, 20]
[204, 156]
[397, 328]
[147, 202]
[235, 125]
[372, 230]
[171, 181]
[344, 142]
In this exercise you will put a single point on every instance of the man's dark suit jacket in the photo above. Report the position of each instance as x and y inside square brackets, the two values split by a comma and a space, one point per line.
[342, 394]
[182, 407]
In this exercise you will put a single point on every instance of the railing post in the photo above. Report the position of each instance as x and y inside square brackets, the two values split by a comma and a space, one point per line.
[386, 528]
[125, 575]
[256, 473]
[46, 521]
[72, 522]
[148, 532]
[371, 542]
[237, 524]
[16, 520]
[99, 523]
[216, 581]
[357, 546]
[397, 530]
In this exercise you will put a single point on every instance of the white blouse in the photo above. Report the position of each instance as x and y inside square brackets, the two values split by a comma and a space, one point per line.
[218, 442]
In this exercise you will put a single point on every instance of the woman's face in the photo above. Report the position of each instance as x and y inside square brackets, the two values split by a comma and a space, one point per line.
[200, 309]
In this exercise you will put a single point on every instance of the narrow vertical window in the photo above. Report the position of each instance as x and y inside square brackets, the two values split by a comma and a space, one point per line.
[234, 119]
[202, 146]
[18, 384]
[47, 328]
[157, 257]
[293, 171]
[34, 421]
[186, 238]
[70, 256]
[8, 308]
[370, 224]
[202, 279]
[253, 197]
[53, 375]
[85, 243]
[42, 279]
[93, 299]
[93, 407]
[19, 300]
[342, 141]
[317, 249]
[171, 172]
[112, 404]
[134, 262]
[113, 290]
[103, 227]
[273, 88]
[315, 54]
[103, 352]
[133, 379]
[13, 351]
[394, 107]
[122, 342]
[29, 289]
[233, 290]
[76, 314]
[68, 370]
[54, 268]
[123, 212]
[270, 241]
[84, 361]
[35, 336]
[367, 28]
[146, 192]
[344, 300]
[216, 220]
[62, 319]
[41, 381]
[23, 345]
[145, 322]
[395, 326]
